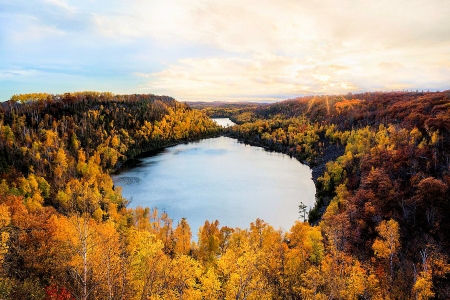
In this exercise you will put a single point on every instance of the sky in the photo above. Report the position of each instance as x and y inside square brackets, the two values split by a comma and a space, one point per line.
[227, 50]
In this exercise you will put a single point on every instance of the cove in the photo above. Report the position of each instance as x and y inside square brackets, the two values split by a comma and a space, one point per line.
[219, 178]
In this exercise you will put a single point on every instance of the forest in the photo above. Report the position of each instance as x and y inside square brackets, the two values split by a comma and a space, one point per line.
[381, 164]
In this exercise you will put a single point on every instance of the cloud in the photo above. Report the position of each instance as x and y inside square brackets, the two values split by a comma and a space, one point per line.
[8, 74]
[30, 29]
[61, 4]
[302, 27]
[388, 66]
[300, 47]
[232, 49]
[221, 78]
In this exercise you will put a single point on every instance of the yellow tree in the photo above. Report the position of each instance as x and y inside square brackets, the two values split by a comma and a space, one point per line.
[82, 244]
[5, 220]
[34, 189]
[209, 242]
[165, 233]
[388, 242]
[92, 256]
[149, 265]
[423, 287]
[210, 285]
[182, 237]
[225, 235]
[141, 218]
[242, 278]
[109, 267]
[312, 284]
[60, 163]
[342, 277]
[181, 282]
[305, 251]
[355, 281]
[269, 246]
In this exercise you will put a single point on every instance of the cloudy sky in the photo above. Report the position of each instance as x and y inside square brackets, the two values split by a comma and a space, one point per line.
[253, 50]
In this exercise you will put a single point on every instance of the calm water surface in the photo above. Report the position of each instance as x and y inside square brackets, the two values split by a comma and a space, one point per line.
[221, 179]
[225, 122]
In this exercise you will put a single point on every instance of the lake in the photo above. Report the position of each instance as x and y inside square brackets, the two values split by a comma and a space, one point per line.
[219, 178]
[225, 122]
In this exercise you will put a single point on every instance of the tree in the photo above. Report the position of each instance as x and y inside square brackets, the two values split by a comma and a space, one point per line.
[148, 263]
[5, 220]
[209, 242]
[312, 284]
[431, 195]
[210, 285]
[388, 242]
[91, 256]
[242, 278]
[302, 210]
[182, 237]
[54, 292]
[184, 273]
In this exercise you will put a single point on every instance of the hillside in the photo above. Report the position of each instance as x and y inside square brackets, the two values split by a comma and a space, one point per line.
[387, 158]
[382, 167]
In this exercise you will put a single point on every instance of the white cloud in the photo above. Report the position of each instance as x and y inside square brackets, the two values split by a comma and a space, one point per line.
[8, 74]
[390, 66]
[236, 49]
[297, 47]
[61, 4]
[223, 78]
[301, 27]
[29, 29]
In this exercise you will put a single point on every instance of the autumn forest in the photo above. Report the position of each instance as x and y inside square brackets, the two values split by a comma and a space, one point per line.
[378, 230]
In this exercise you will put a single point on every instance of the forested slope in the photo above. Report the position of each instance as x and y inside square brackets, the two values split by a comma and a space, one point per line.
[389, 161]
[56, 153]
[381, 216]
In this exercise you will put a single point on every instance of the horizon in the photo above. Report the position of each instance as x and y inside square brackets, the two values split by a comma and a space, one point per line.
[252, 101]
[205, 51]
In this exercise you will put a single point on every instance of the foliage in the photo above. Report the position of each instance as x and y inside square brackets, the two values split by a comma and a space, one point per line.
[382, 175]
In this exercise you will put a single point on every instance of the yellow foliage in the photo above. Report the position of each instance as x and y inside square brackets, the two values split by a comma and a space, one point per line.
[312, 284]
[424, 286]
[315, 240]
[98, 214]
[115, 141]
[242, 279]
[389, 241]
[416, 136]
[435, 137]
[346, 105]
[182, 237]
[5, 216]
[355, 282]
[210, 285]
[147, 262]
[5, 220]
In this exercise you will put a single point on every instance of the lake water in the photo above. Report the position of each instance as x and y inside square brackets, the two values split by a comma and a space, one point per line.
[225, 122]
[219, 178]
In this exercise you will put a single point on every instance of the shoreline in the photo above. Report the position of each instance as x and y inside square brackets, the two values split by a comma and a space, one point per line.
[331, 153]
[145, 152]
